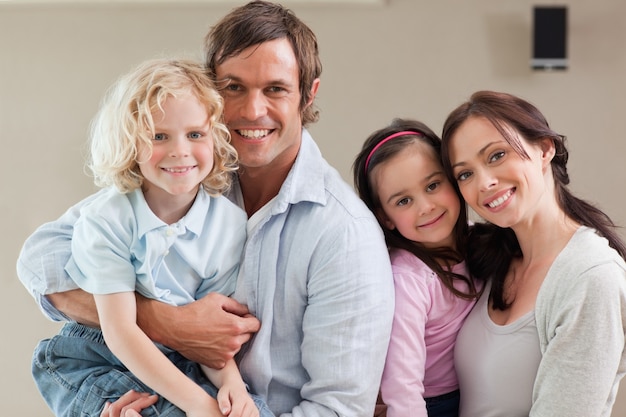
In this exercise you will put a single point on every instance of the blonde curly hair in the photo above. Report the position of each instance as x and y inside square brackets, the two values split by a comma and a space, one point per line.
[124, 123]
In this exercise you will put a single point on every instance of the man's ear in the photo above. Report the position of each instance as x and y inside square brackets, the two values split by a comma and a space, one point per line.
[314, 88]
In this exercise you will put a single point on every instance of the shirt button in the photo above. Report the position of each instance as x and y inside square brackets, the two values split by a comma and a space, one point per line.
[169, 232]
[166, 253]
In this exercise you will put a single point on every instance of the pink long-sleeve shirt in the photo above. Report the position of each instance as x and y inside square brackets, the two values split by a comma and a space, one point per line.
[427, 318]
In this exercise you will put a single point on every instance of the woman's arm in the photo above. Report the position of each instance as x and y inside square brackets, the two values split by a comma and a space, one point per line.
[583, 356]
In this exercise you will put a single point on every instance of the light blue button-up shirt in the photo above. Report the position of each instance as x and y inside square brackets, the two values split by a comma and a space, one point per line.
[315, 271]
[317, 274]
[120, 245]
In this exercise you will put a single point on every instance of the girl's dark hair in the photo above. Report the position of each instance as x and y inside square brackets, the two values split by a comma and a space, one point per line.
[491, 248]
[258, 22]
[363, 165]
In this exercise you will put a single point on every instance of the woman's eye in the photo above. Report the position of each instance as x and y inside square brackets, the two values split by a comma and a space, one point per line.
[496, 156]
[462, 176]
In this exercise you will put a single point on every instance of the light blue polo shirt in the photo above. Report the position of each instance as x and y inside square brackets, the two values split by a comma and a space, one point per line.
[120, 245]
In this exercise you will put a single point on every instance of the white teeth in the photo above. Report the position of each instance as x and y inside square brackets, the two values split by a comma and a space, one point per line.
[500, 200]
[176, 170]
[258, 133]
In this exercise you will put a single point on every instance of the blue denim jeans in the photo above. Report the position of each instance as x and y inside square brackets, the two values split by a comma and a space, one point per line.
[76, 374]
[446, 405]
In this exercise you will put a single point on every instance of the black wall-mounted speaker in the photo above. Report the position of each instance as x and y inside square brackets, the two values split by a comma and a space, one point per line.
[549, 38]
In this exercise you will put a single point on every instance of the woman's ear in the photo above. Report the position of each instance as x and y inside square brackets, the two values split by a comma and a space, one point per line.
[548, 150]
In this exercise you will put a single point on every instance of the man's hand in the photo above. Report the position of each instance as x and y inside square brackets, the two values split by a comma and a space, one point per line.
[129, 405]
[209, 331]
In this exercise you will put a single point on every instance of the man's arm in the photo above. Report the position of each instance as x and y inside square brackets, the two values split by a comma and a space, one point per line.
[209, 331]
[41, 267]
[77, 305]
[348, 320]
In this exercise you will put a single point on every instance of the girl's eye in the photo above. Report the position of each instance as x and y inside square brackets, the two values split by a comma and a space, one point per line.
[462, 176]
[496, 156]
[403, 202]
[195, 135]
[160, 136]
[433, 186]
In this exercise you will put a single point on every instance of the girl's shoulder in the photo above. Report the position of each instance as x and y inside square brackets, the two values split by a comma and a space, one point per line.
[404, 262]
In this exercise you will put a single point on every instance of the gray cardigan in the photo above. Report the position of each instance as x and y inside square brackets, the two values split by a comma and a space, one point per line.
[581, 320]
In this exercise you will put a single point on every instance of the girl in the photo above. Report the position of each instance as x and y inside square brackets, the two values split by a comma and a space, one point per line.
[161, 227]
[547, 336]
[399, 175]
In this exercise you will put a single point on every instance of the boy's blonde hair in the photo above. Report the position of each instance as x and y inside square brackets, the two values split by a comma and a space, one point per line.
[124, 121]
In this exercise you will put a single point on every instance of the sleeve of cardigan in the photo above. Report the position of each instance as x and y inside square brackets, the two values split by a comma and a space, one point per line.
[583, 344]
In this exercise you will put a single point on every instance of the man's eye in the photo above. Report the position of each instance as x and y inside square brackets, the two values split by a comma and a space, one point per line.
[276, 89]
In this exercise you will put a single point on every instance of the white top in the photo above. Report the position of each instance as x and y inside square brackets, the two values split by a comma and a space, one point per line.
[496, 365]
[580, 320]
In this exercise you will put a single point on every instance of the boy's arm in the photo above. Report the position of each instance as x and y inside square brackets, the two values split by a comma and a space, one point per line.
[142, 357]
[232, 398]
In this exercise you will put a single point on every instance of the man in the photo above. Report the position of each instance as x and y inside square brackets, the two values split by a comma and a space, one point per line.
[315, 270]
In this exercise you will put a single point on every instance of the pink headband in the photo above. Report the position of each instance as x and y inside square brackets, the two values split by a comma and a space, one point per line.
[387, 139]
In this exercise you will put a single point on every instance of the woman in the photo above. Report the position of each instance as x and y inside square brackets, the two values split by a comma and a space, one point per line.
[546, 337]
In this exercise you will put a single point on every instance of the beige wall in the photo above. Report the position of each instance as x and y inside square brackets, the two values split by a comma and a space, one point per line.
[403, 58]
